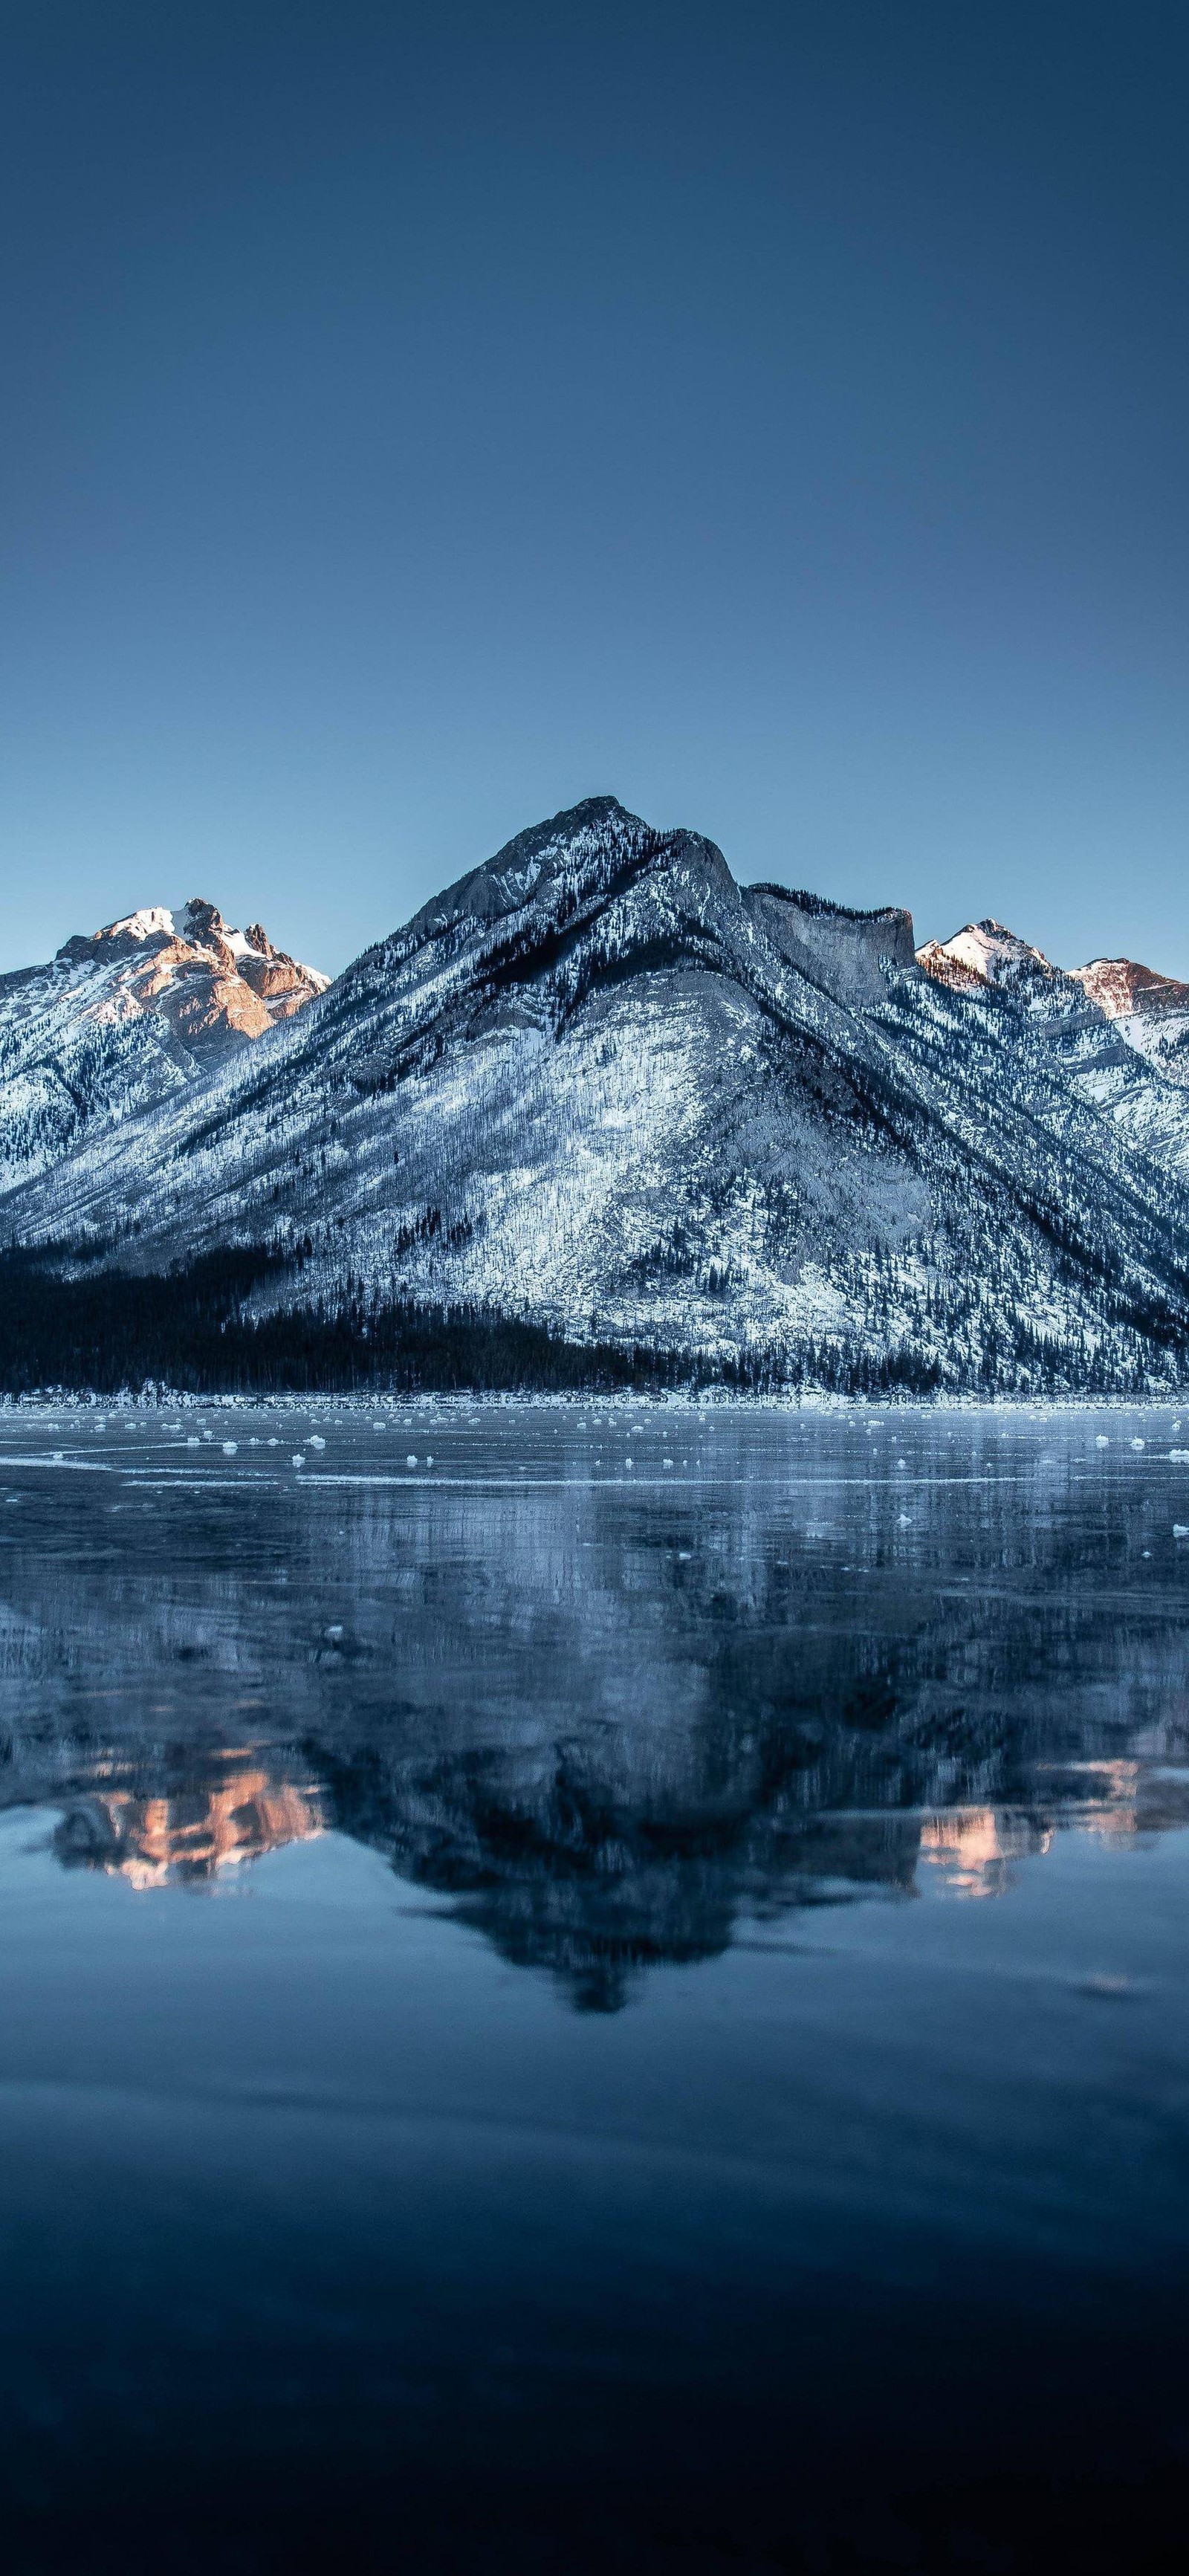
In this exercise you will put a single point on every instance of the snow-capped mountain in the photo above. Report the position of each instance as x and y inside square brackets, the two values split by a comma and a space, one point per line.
[1150, 1011]
[600, 1085]
[986, 953]
[119, 1022]
[1119, 1032]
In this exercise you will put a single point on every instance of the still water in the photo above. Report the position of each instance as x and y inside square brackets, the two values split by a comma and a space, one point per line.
[593, 1989]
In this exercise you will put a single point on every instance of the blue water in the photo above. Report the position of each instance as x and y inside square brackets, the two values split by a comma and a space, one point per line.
[559, 2014]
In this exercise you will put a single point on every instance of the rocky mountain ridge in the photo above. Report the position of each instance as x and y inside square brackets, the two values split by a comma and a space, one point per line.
[986, 953]
[121, 1020]
[599, 1085]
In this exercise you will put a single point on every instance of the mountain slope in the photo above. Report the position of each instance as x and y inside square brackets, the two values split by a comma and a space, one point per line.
[118, 1023]
[600, 1084]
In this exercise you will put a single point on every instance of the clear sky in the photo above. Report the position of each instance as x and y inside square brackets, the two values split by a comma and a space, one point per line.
[415, 419]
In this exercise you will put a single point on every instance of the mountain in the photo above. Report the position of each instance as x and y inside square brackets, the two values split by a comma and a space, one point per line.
[1129, 992]
[1153, 1009]
[1118, 1033]
[600, 1086]
[117, 1023]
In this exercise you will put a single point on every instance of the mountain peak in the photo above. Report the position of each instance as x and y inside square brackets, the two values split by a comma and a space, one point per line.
[120, 1022]
[593, 819]
[196, 920]
[988, 953]
[198, 923]
[194, 936]
[598, 830]
[588, 812]
[1124, 989]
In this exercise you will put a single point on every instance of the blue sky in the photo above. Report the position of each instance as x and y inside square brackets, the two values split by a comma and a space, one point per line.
[416, 420]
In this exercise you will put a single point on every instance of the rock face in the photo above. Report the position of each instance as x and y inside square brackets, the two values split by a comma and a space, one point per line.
[119, 1022]
[1124, 990]
[849, 953]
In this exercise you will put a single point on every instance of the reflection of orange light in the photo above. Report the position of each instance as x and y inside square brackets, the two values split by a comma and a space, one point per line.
[972, 1848]
[198, 1832]
[1114, 1817]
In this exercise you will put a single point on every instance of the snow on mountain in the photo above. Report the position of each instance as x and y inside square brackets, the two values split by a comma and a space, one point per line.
[985, 953]
[1150, 1011]
[119, 1022]
[599, 1084]
[1119, 1032]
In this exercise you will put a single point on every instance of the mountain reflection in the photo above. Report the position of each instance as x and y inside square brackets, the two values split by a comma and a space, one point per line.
[185, 1831]
[611, 1726]
[560, 1872]
[566, 1866]
[973, 1851]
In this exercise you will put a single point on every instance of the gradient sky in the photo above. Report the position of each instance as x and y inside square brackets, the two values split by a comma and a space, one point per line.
[417, 419]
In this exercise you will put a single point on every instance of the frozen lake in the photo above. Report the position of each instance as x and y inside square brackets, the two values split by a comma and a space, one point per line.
[593, 1987]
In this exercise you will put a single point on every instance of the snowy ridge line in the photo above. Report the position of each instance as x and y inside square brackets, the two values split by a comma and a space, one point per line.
[597, 1091]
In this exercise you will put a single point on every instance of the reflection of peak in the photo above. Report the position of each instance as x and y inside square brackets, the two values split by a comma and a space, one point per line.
[595, 1877]
[752, 1729]
[973, 1848]
[190, 1832]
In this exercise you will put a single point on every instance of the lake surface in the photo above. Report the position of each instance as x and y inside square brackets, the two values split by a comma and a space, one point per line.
[593, 1988]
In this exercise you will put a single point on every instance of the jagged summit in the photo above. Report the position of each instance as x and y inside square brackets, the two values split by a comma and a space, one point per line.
[187, 962]
[986, 953]
[123, 1017]
[195, 920]
[531, 863]
[195, 934]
